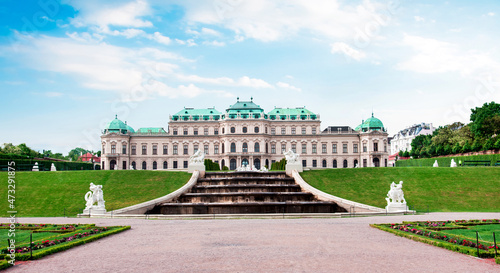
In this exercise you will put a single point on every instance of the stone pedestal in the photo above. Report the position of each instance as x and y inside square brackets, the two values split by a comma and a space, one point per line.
[197, 167]
[289, 167]
[94, 210]
[35, 167]
[396, 207]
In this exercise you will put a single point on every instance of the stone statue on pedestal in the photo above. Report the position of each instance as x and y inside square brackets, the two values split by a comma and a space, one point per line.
[197, 162]
[396, 198]
[95, 195]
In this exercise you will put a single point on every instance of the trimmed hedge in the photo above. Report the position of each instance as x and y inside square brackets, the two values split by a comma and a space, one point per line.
[44, 165]
[445, 161]
[279, 166]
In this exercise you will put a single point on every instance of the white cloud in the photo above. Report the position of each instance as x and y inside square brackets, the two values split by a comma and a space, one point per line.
[340, 47]
[491, 14]
[161, 39]
[274, 20]
[419, 19]
[52, 94]
[434, 56]
[288, 86]
[209, 31]
[244, 81]
[214, 43]
[111, 13]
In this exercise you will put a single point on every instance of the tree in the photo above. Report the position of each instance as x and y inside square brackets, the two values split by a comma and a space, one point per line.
[448, 149]
[488, 145]
[466, 148]
[406, 154]
[476, 145]
[77, 152]
[481, 114]
[456, 148]
[497, 144]
[401, 153]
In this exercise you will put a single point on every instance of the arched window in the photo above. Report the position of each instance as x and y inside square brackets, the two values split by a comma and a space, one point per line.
[155, 165]
[334, 165]
[143, 165]
[376, 162]
[256, 163]
[233, 147]
[133, 165]
[345, 163]
[267, 151]
[223, 147]
[223, 130]
[256, 148]
[355, 163]
[165, 165]
[232, 164]
[222, 163]
[233, 130]
[244, 129]
[244, 162]
[267, 163]
[245, 147]
[256, 129]
[324, 163]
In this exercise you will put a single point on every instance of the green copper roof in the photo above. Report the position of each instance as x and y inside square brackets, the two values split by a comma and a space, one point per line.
[245, 109]
[371, 123]
[197, 114]
[299, 113]
[117, 126]
[154, 130]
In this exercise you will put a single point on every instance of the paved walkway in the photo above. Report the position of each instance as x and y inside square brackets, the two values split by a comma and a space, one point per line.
[257, 245]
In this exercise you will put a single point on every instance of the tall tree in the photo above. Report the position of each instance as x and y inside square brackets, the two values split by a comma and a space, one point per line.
[481, 114]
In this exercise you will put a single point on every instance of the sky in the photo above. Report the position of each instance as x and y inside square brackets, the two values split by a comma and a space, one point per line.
[68, 67]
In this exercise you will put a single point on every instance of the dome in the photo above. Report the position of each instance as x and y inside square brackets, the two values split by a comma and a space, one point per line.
[117, 126]
[370, 124]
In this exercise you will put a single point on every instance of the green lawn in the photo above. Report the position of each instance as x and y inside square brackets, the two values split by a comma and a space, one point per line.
[485, 232]
[50, 193]
[439, 189]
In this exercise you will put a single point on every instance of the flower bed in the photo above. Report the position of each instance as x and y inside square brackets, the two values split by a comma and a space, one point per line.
[52, 239]
[439, 233]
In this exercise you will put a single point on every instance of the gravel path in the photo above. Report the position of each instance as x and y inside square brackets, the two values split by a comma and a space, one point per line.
[257, 245]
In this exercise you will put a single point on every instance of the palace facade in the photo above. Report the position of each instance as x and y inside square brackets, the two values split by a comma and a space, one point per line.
[244, 134]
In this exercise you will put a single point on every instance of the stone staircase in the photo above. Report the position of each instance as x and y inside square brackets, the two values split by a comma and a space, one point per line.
[245, 192]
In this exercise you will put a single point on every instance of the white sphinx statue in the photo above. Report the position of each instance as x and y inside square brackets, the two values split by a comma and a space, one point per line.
[453, 164]
[396, 198]
[435, 164]
[95, 195]
[292, 162]
[53, 168]
[197, 162]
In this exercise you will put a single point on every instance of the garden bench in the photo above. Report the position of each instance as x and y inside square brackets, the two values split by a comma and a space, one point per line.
[498, 163]
[477, 163]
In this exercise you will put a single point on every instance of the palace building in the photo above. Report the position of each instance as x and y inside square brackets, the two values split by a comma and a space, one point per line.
[244, 134]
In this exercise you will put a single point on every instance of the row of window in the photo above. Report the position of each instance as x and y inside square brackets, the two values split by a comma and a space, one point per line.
[256, 148]
[244, 130]
[314, 164]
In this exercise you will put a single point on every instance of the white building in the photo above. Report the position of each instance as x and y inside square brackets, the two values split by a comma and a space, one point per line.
[243, 135]
[402, 140]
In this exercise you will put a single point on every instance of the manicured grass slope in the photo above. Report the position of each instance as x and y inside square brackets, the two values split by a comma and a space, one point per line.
[439, 189]
[49, 193]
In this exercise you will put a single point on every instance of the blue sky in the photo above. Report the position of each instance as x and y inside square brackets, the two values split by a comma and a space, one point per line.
[67, 67]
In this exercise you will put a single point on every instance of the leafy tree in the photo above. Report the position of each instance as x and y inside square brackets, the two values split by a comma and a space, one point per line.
[497, 144]
[406, 154]
[9, 148]
[77, 152]
[447, 149]
[482, 122]
[466, 148]
[440, 149]
[401, 153]
[476, 145]
[457, 148]
[488, 145]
